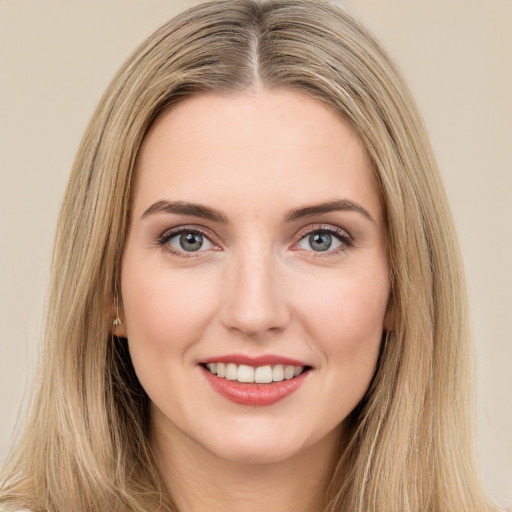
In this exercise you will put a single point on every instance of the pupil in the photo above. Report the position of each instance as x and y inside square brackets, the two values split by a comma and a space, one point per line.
[191, 241]
[320, 241]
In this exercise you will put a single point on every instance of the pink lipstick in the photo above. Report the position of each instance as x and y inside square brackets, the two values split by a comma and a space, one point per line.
[254, 381]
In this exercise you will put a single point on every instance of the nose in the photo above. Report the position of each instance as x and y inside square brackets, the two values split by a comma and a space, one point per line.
[254, 298]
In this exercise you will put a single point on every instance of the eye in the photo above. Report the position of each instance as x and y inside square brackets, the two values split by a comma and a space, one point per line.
[189, 240]
[325, 240]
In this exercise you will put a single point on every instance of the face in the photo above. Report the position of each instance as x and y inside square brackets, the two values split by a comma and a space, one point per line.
[255, 279]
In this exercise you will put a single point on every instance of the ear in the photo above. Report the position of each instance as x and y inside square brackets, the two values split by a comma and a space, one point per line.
[390, 317]
[118, 324]
[118, 329]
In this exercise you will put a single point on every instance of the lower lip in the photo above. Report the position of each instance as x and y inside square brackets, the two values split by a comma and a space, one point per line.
[256, 395]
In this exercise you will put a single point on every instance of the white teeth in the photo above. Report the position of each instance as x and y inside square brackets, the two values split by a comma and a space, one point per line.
[249, 374]
[263, 375]
[278, 373]
[231, 371]
[221, 369]
[289, 372]
[245, 373]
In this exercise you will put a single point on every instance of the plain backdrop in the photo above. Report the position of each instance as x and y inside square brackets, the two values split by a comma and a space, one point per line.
[57, 57]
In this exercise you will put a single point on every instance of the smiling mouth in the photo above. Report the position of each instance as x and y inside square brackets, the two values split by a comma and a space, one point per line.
[255, 375]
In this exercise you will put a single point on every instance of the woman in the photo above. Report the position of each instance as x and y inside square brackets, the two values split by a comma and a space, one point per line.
[257, 297]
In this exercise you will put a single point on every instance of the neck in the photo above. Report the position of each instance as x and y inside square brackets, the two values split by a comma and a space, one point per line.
[214, 484]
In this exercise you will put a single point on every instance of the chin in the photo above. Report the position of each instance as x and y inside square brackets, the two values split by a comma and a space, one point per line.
[264, 446]
[264, 453]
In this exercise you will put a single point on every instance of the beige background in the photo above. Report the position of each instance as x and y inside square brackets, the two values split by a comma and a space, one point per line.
[56, 58]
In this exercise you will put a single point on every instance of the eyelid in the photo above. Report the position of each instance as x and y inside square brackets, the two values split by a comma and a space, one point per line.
[190, 228]
[342, 234]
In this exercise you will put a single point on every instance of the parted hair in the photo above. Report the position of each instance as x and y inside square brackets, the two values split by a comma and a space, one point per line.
[85, 444]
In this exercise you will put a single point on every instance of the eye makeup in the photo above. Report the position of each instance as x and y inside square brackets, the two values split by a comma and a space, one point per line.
[319, 240]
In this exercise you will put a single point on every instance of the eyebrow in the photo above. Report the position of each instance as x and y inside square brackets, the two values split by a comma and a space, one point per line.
[184, 208]
[205, 212]
[327, 207]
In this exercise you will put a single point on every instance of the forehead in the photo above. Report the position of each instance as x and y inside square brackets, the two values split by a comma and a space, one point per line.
[280, 144]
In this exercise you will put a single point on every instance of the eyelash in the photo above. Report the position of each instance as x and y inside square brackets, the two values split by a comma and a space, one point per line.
[168, 235]
[345, 239]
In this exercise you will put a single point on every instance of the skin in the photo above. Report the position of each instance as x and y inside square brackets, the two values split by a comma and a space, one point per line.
[256, 286]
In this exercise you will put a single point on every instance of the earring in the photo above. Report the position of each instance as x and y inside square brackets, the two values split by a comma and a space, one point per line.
[117, 321]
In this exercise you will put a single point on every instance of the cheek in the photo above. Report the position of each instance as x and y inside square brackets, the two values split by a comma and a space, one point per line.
[345, 318]
[164, 310]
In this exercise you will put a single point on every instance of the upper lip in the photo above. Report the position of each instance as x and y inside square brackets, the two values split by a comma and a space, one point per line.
[256, 361]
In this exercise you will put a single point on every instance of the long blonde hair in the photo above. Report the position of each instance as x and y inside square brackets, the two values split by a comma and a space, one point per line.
[85, 446]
